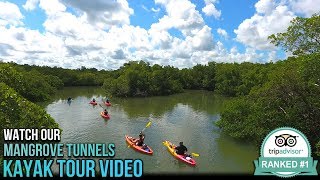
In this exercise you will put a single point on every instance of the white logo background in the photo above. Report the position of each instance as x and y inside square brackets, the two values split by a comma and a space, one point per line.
[300, 146]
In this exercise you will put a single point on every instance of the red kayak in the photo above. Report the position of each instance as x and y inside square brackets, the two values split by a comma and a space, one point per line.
[105, 116]
[107, 104]
[182, 158]
[93, 103]
[148, 150]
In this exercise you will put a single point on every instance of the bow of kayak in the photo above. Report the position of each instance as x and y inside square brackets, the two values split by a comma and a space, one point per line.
[182, 158]
[105, 116]
[129, 140]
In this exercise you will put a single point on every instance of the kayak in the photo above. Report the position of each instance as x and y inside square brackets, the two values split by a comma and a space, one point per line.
[172, 151]
[129, 140]
[93, 103]
[107, 104]
[105, 116]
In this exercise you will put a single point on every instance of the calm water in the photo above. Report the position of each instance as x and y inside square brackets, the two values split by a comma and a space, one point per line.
[187, 117]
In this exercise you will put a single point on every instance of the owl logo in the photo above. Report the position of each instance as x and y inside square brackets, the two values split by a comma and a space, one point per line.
[286, 140]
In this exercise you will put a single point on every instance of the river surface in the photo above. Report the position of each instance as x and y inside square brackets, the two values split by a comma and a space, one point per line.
[187, 117]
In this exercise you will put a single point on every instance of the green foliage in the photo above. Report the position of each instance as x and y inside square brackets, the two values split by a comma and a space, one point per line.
[118, 87]
[236, 122]
[12, 77]
[54, 81]
[59, 77]
[37, 88]
[18, 112]
[86, 79]
[227, 79]
[289, 98]
[209, 78]
[239, 79]
[199, 77]
[32, 85]
[281, 94]
[318, 149]
[302, 36]
[165, 81]
[140, 79]
[310, 68]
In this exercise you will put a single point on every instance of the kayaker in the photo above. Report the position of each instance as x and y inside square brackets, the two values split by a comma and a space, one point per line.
[69, 99]
[105, 112]
[181, 149]
[93, 100]
[143, 135]
[139, 142]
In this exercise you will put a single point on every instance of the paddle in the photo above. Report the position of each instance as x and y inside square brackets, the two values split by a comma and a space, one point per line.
[148, 125]
[195, 154]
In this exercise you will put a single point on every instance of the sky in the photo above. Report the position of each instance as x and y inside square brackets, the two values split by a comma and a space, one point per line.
[105, 34]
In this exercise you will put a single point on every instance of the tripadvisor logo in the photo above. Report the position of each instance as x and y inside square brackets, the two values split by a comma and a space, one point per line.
[285, 152]
[286, 140]
[282, 141]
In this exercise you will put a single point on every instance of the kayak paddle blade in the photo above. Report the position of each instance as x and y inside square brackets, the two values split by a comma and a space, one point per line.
[195, 154]
[148, 125]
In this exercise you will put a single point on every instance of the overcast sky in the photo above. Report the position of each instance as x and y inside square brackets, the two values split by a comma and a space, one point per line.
[104, 34]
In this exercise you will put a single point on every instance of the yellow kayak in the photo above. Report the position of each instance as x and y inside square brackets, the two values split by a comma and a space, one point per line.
[183, 158]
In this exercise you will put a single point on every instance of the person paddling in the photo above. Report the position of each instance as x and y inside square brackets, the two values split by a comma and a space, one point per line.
[181, 149]
[105, 112]
[140, 140]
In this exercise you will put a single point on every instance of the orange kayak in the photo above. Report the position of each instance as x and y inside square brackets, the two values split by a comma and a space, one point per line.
[105, 116]
[148, 150]
[182, 158]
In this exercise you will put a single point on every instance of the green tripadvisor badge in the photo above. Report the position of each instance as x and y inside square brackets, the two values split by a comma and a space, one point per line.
[285, 152]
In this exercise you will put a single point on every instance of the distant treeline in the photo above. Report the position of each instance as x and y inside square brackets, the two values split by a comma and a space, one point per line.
[136, 78]
[229, 79]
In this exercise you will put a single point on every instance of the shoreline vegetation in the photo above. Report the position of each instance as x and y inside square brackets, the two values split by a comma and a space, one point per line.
[265, 96]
